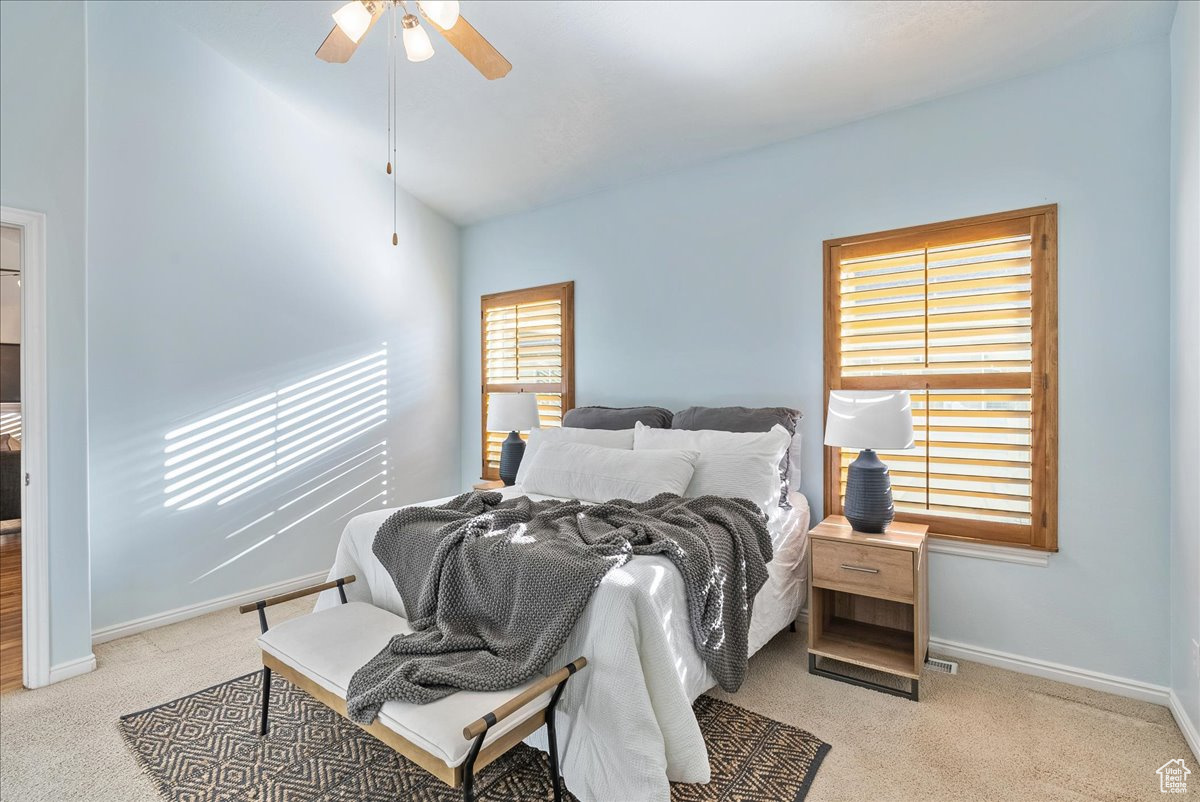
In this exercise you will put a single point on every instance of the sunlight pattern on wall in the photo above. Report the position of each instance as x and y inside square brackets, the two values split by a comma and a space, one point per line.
[10, 423]
[366, 470]
[230, 453]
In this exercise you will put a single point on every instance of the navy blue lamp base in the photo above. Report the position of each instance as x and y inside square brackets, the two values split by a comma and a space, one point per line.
[869, 505]
[511, 452]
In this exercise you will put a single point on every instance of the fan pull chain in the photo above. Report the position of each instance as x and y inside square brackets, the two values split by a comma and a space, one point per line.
[390, 55]
[393, 128]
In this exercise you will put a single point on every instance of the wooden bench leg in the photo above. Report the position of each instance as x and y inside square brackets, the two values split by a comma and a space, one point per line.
[266, 695]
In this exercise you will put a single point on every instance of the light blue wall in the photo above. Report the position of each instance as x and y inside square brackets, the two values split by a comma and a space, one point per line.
[1185, 357]
[43, 168]
[704, 287]
[238, 245]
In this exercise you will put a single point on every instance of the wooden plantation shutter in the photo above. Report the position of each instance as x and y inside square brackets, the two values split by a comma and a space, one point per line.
[964, 316]
[528, 346]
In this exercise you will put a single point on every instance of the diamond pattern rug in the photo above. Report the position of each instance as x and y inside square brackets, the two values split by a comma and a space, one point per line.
[205, 748]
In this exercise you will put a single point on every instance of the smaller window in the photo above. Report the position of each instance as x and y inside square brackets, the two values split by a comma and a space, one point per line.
[527, 346]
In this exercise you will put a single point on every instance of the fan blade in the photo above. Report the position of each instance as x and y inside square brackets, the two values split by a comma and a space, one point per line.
[338, 47]
[475, 49]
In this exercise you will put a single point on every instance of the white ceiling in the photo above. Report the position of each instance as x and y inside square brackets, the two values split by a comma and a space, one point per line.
[603, 93]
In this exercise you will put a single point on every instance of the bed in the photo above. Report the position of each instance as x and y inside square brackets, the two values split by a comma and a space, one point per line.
[628, 727]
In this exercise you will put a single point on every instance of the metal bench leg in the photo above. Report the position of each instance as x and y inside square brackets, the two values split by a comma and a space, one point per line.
[266, 694]
[552, 742]
[469, 769]
[479, 729]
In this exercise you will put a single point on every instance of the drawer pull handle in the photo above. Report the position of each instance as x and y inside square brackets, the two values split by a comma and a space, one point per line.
[860, 568]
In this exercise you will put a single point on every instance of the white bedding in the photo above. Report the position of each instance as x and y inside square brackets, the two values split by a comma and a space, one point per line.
[626, 725]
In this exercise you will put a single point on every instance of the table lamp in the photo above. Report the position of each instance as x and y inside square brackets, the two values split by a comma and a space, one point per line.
[512, 413]
[869, 419]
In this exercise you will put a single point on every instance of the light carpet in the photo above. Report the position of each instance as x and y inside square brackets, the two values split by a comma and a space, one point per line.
[983, 734]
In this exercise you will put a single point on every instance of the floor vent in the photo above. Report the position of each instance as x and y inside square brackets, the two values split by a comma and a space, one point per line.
[943, 666]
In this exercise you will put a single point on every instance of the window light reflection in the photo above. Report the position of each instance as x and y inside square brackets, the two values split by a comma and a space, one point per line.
[225, 455]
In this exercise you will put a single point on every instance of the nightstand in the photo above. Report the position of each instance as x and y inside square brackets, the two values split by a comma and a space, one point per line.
[868, 601]
[487, 484]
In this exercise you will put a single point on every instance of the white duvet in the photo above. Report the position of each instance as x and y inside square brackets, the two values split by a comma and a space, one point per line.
[625, 724]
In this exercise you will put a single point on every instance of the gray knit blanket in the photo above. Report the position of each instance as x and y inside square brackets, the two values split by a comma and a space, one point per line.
[493, 588]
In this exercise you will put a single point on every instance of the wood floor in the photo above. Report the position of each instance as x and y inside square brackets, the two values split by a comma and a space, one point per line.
[10, 612]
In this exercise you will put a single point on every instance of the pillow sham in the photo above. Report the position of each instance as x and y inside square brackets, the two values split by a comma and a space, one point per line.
[593, 437]
[733, 464]
[736, 419]
[595, 473]
[794, 466]
[749, 476]
[750, 419]
[617, 417]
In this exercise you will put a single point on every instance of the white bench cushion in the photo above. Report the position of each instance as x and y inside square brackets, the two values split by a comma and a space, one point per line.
[330, 645]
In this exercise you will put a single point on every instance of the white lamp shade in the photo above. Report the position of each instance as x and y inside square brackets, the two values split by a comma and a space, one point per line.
[512, 412]
[869, 419]
[354, 19]
[443, 12]
[416, 43]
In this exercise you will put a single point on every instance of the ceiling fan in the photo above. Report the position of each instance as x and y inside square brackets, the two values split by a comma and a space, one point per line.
[356, 18]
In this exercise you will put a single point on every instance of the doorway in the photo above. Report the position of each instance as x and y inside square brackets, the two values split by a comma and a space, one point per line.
[24, 540]
[11, 468]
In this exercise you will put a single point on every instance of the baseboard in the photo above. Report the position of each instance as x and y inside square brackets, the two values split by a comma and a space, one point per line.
[1186, 725]
[192, 610]
[1131, 688]
[72, 668]
[1082, 677]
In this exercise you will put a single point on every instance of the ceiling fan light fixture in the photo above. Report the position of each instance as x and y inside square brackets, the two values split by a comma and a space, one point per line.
[416, 42]
[354, 19]
[443, 13]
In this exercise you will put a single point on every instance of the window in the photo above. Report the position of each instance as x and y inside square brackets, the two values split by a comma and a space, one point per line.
[528, 345]
[963, 315]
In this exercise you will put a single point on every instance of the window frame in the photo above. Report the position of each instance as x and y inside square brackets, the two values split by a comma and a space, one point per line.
[564, 293]
[1043, 377]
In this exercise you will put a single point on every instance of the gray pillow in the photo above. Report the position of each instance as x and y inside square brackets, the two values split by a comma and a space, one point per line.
[745, 419]
[617, 417]
[736, 419]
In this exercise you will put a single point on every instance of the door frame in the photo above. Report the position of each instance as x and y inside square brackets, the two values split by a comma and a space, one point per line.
[35, 539]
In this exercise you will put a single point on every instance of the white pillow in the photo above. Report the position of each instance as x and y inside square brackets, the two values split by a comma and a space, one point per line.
[595, 473]
[794, 458]
[774, 442]
[754, 474]
[749, 476]
[609, 438]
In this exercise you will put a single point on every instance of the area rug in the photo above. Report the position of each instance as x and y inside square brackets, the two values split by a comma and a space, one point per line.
[205, 748]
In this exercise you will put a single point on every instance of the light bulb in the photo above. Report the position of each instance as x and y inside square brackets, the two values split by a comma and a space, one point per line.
[416, 41]
[354, 19]
[443, 13]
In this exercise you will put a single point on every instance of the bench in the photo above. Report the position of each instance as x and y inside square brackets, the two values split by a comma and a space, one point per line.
[319, 652]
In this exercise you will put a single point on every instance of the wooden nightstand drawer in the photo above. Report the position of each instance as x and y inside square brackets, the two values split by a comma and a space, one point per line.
[878, 571]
